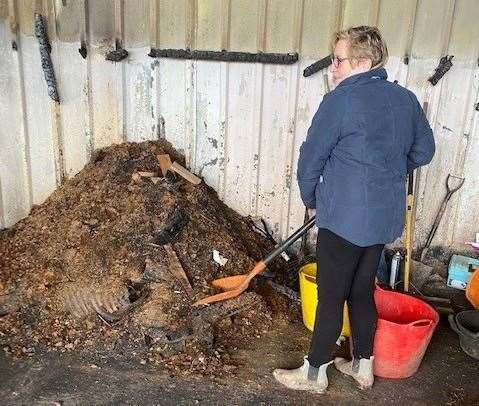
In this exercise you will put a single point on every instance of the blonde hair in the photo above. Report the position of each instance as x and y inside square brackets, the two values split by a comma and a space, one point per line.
[364, 42]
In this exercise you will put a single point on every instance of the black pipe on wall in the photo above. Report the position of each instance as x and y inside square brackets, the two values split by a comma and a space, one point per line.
[225, 56]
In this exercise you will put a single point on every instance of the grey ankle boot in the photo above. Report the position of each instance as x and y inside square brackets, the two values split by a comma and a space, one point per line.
[306, 377]
[360, 369]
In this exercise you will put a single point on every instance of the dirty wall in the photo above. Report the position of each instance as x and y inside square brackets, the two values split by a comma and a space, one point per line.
[239, 125]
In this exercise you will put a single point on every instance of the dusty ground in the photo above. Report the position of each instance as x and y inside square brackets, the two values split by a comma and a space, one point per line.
[446, 376]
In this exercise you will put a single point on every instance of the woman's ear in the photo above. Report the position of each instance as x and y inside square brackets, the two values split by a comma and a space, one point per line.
[365, 63]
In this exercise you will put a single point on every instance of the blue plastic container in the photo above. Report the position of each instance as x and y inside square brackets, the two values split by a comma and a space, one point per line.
[460, 271]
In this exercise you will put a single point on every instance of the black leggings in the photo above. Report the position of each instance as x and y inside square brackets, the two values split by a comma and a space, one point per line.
[346, 272]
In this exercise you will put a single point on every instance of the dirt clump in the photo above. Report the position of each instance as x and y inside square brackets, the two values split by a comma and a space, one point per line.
[88, 270]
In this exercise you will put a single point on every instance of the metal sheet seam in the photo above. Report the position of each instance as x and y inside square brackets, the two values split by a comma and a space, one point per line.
[225, 24]
[85, 30]
[223, 134]
[27, 169]
[257, 128]
[292, 114]
[153, 18]
[451, 12]
[298, 26]
[411, 29]
[190, 111]
[123, 108]
[121, 67]
[378, 13]
[293, 94]
[467, 120]
[262, 19]
[56, 126]
[191, 23]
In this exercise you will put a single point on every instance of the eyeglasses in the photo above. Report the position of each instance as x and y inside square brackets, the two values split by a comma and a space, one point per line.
[336, 60]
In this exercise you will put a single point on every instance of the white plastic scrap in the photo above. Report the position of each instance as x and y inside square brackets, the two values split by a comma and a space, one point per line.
[219, 259]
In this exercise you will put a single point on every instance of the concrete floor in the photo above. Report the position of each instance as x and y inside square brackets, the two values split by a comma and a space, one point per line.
[447, 376]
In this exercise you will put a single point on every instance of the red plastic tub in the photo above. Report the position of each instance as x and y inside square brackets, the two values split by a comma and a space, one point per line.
[405, 327]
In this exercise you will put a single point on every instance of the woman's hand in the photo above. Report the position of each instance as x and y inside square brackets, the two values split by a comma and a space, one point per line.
[311, 212]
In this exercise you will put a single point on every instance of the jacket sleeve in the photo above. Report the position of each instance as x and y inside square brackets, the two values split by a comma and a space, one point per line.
[423, 147]
[323, 135]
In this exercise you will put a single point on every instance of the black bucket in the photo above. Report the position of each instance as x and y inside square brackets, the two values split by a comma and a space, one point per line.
[466, 325]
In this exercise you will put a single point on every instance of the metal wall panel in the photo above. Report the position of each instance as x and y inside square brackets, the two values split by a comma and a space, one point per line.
[239, 125]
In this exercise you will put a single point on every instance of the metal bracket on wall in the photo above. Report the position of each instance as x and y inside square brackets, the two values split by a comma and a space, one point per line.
[444, 65]
[226, 56]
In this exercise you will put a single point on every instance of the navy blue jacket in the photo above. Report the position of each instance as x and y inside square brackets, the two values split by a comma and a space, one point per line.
[366, 136]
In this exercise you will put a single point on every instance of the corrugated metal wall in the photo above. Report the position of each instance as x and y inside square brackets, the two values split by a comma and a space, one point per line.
[239, 124]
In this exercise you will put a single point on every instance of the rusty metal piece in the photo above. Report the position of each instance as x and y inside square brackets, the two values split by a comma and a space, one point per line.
[110, 307]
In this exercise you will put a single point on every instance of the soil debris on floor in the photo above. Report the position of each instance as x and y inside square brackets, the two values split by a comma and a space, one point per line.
[91, 268]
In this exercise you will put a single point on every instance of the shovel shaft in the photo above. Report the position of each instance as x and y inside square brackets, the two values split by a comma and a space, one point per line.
[450, 191]
[290, 240]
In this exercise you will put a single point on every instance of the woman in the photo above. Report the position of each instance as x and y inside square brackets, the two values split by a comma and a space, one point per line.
[366, 136]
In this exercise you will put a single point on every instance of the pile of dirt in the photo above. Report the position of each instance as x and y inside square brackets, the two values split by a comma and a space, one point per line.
[90, 269]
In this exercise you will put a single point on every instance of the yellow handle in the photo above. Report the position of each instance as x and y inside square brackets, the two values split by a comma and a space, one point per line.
[409, 224]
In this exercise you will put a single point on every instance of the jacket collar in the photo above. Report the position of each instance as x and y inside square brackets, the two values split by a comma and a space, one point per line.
[379, 73]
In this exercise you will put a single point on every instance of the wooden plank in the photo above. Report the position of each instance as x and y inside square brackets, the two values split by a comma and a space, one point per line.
[177, 270]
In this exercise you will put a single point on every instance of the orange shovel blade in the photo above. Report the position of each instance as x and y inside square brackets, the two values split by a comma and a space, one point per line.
[230, 282]
[233, 285]
[220, 296]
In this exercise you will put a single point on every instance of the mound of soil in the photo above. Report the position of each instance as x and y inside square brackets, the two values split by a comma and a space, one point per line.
[91, 268]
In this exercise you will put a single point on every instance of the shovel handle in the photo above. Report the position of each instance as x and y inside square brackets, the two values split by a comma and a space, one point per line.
[442, 209]
[298, 233]
[451, 190]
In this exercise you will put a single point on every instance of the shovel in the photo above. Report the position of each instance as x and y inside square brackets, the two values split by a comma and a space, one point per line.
[450, 191]
[235, 285]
